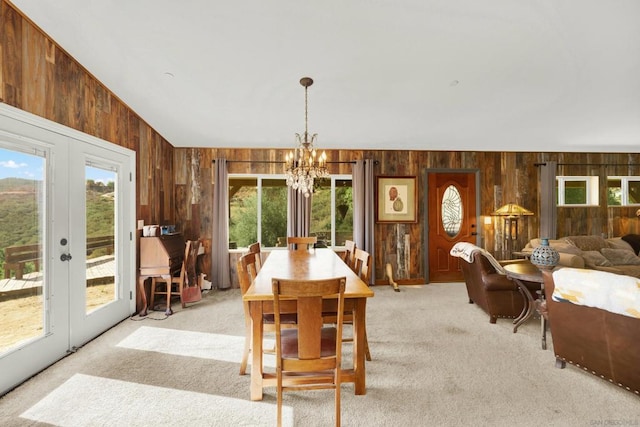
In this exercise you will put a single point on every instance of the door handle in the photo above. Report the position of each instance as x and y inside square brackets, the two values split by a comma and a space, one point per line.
[473, 233]
[65, 257]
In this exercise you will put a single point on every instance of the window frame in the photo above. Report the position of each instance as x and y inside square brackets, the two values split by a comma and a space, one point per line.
[624, 188]
[260, 177]
[591, 188]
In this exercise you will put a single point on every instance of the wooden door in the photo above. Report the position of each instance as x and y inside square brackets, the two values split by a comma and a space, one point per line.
[452, 219]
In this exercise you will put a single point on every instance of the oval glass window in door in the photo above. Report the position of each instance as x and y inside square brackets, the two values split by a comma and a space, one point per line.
[451, 207]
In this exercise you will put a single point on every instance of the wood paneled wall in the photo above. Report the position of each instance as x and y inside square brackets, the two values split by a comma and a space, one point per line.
[38, 76]
[176, 185]
[504, 178]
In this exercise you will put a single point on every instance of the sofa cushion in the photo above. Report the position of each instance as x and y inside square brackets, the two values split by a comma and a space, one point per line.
[620, 256]
[594, 259]
[618, 243]
[588, 243]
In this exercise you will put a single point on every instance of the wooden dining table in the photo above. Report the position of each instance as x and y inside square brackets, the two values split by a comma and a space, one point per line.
[313, 264]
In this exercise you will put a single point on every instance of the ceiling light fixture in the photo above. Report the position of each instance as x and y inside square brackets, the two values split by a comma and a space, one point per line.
[303, 165]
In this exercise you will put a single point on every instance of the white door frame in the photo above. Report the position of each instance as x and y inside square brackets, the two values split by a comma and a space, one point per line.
[19, 129]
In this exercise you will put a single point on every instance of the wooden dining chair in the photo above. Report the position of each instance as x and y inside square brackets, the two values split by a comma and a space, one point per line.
[174, 285]
[247, 271]
[349, 252]
[309, 357]
[301, 243]
[255, 248]
[361, 260]
[361, 267]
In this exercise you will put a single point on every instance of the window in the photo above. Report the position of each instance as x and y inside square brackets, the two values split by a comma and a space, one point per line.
[623, 191]
[332, 210]
[258, 207]
[577, 190]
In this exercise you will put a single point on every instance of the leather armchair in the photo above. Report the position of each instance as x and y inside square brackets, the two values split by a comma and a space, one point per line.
[493, 291]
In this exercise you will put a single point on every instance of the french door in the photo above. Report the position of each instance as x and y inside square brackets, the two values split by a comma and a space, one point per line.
[69, 252]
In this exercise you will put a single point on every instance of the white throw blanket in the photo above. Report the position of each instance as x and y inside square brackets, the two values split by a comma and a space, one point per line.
[466, 251]
[608, 291]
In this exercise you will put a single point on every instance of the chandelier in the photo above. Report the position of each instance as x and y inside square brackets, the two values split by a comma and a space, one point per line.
[303, 165]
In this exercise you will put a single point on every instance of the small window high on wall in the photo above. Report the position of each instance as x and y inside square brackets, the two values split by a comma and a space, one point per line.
[577, 190]
[623, 191]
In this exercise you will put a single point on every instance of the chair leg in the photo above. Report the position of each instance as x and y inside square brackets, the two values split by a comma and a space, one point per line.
[168, 310]
[152, 297]
[367, 353]
[247, 347]
[337, 400]
[180, 288]
[279, 398]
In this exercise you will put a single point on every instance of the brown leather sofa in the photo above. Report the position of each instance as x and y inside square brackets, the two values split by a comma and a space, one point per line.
[601, 342]
[494, 292]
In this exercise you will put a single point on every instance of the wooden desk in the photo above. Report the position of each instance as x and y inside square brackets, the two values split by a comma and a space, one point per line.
[530, 273]
[306, 265]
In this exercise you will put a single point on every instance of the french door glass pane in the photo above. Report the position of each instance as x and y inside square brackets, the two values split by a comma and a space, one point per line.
[22, 210]
[100, 219]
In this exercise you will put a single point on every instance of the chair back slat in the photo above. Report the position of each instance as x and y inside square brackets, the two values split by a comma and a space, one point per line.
[301, 243]
[247, 271]
[349, 252]
[255, 249]
[361, 265]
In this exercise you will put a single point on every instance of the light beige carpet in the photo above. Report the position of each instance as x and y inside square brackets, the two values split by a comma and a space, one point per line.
[436, 361]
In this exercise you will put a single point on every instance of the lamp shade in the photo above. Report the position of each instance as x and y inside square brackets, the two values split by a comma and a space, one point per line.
[511, 209]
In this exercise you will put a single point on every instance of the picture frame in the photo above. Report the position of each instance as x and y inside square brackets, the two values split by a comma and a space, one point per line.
[396, 199]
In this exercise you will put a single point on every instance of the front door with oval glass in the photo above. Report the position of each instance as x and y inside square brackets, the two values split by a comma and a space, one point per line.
[452, 219]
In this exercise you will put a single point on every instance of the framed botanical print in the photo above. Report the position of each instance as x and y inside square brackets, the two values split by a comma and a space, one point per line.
[396, 199]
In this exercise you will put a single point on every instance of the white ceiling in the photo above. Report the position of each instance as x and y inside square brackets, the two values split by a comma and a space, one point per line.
[512, 75]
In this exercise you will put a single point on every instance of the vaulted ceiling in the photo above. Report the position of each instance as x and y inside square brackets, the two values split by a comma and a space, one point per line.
[507, 75]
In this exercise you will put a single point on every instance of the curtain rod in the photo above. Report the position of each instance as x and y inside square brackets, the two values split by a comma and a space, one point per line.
[589, 164]
[280, 161]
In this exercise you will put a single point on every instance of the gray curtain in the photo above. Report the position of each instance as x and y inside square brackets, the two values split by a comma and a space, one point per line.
[364, 209]
[220, 275]
[298, 214]
[548, 211]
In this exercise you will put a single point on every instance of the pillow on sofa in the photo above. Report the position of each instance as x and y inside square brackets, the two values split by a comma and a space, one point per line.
[620, 256]
[594, 259]
[588, 243]
[619, 243]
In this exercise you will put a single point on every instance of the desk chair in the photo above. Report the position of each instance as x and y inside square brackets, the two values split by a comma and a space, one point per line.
[309, 357]
[174, 285]
[301, 243]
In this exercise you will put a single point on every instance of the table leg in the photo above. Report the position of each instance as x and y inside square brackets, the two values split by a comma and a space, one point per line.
[528, 305]
[359, 328]
[255, 308]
